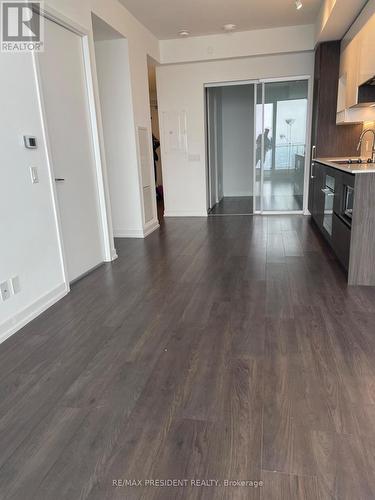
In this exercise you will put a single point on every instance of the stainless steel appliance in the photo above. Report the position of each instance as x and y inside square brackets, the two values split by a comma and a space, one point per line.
[329, 194]
[348, 202]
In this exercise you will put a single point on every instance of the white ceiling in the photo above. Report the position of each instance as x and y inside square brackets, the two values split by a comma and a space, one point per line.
[165, 18]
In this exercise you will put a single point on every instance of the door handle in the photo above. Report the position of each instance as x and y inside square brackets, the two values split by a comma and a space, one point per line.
[328, 192]
[59, 179]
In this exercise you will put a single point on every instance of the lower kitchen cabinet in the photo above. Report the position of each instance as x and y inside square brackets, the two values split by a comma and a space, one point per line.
[341, 236]
[343, 209]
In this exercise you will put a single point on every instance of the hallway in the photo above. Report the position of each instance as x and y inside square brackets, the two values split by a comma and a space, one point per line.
[220, 348]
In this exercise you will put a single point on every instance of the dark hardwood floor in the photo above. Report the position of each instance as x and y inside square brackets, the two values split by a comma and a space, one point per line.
[233, 205]
[219, 349]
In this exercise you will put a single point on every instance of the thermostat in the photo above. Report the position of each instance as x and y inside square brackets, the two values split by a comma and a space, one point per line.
[30, 142]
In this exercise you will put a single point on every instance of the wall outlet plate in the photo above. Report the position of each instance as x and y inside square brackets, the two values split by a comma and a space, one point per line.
[5, 291]
[30, 142]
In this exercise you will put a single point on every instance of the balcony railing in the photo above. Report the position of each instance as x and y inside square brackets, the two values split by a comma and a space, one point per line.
[282, 156]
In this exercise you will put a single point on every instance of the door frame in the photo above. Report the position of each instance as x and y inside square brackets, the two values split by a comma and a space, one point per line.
[261, 82]
[105, 223]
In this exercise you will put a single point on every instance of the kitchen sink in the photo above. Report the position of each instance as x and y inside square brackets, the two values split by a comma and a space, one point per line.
[352, 161]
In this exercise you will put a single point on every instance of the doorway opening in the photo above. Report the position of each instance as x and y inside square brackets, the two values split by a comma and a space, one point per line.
[230, 127]
[256, 147]
[154, 113]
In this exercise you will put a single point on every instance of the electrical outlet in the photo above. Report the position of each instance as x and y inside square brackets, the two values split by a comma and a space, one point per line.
[15, 284]
[5, 291]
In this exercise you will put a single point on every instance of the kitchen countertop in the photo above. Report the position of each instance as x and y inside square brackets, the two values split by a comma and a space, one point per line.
[353, 168]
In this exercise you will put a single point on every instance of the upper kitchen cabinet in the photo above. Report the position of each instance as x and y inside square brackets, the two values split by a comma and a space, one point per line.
[357, 66]
[367, 51]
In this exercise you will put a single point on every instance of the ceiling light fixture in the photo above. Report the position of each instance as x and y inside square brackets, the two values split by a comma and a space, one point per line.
[229, 27]
[299, 5]
[184, 33]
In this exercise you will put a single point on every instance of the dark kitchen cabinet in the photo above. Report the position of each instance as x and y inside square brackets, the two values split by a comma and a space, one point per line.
[328, 208]
[341, 237]
[343, 208]
[327, 138]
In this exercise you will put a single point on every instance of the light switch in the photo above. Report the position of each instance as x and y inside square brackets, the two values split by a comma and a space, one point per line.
[34, 175]
[4, 291]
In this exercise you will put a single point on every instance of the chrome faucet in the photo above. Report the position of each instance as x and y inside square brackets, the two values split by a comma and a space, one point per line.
[373, 143]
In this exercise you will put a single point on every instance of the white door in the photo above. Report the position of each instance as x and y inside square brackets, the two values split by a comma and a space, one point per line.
[65, 98]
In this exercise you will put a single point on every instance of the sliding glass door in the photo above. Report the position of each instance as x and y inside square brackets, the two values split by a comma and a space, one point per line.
[281, 123]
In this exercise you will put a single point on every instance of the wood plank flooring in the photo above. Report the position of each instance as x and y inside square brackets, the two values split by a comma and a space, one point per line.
[233, 205]
[216, 349]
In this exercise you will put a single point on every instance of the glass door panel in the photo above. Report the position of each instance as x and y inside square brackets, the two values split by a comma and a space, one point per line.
[281, 134]
[258, 150]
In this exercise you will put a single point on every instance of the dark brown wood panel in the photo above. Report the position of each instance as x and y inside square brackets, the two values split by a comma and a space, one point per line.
[226, 348]
[362, 252]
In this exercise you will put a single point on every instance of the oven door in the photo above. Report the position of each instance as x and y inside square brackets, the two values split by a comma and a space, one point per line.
[329, 196]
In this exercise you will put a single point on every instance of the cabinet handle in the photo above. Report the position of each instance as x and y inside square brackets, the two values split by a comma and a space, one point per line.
[313, 152]
[312, 176]
[328, 192]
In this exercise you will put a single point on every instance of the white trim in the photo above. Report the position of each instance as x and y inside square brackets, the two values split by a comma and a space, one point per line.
[12, 325]
[150, 228]
[137, 233]
[283, 79]
[231, 84]
[208, 148]
[57, 17]
[102, 202]
[48, 152]
[128, 233]
[185, 213]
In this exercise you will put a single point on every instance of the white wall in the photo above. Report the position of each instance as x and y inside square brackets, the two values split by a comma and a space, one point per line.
[28, 233]
[31, 248]
[181, 88]
[112, 62]
[238, 139]
[239, 44]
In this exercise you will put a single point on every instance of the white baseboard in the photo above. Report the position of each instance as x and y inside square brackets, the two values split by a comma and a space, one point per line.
[128, 233]
[12, 325]
[185, 213]
[150, 228]
[137, 233]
